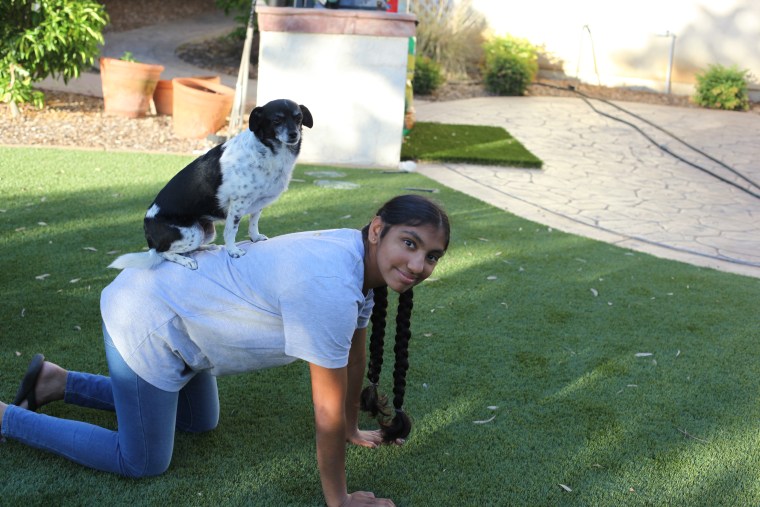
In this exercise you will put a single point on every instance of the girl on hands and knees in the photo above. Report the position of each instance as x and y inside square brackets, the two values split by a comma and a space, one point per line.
[170, 332]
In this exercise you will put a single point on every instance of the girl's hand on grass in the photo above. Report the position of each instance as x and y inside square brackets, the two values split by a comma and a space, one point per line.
[358, 498]
[369, 438]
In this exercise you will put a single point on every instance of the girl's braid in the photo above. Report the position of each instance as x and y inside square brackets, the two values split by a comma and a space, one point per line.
[370, 400]
[400, 425]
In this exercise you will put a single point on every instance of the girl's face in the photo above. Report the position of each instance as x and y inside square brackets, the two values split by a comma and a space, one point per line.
[404, 257]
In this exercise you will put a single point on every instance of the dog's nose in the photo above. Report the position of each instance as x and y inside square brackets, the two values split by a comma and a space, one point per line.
[292, 136]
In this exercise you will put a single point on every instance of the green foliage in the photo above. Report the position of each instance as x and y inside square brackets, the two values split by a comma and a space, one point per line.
[127, 56]
[722, 87]
[474, 144]
[511, 64]
[242, 13]
[41, 38]
[427, 76]
[451, 33]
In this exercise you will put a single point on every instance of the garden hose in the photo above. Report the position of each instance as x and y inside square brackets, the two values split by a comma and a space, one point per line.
[587, 99]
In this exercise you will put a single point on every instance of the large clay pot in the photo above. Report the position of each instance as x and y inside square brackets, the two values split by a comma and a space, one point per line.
[200, 107]
[128, 86]
[164, 94]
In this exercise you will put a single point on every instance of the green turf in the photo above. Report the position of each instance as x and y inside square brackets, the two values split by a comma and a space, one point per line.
[466, 144]
[508, 331]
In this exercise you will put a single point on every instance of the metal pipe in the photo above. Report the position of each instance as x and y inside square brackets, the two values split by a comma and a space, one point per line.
[670, 59]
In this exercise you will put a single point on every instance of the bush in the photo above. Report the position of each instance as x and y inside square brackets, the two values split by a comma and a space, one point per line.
[241, 10]
[42, 38]
[722, 87]
[427, 76]
[510, 65]
[451, 34]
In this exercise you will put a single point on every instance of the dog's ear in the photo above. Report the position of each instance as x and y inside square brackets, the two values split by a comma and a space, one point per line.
[307, 119]
[254, 121]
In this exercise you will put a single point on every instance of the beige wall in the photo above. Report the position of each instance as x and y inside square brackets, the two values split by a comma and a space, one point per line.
[627, 37]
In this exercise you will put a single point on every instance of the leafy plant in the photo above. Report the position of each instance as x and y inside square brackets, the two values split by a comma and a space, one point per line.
[242, 13]
[451, 34]
[41, 38]
[511, 64]
[427, 76]
[722, 87]
[128, 57]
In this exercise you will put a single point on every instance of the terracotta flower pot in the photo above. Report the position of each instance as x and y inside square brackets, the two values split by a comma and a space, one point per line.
[200, 107]
[164, 94]
[128, 86]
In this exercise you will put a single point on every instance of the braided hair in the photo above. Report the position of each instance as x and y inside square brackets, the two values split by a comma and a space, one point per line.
[411, 210]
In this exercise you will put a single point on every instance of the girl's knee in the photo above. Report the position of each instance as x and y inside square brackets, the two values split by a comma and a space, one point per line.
[199, 425]
[151, 467]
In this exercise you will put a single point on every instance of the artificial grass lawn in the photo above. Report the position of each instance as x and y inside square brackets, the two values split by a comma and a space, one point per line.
[472, 144]
[509, 332]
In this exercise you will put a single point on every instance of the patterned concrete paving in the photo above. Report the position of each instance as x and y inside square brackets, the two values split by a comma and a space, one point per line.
[605, 180]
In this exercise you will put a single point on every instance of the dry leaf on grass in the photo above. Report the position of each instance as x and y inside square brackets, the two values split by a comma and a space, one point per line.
[689, 435]
[643, 354]
[90, 248]
[566, 488]
[594, 292]
[485, 421]
[42, 277]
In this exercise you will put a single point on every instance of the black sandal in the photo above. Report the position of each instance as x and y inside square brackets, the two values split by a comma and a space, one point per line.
[29, 382]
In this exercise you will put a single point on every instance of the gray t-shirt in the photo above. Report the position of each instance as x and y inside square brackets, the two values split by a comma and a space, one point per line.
[296, 296]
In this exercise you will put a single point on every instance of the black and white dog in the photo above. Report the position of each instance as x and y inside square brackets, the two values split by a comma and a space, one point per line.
[239, 177]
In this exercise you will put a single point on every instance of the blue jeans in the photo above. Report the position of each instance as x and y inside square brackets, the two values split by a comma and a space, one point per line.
[147, 417]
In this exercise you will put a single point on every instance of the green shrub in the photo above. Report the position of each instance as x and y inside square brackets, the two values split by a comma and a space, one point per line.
[44, 38]
[427, 76]
[241, 10]
[451, 33]
[510, 65]
[722, 87]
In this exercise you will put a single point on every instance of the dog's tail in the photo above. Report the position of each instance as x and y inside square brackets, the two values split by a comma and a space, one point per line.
[140, 260]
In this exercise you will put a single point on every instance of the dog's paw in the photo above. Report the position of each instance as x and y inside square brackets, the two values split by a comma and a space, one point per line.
[182, 260]
[186, 261]
[259, 237]
[235, 252]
